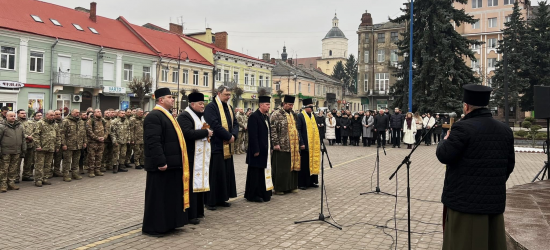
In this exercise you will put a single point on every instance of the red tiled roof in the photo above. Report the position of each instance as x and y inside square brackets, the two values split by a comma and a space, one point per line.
[228, 51]
[112, 33]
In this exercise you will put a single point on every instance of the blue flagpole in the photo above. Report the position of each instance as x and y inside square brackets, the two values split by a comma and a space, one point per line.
[410, 59]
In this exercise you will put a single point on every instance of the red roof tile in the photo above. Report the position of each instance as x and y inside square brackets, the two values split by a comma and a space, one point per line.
[112, 33]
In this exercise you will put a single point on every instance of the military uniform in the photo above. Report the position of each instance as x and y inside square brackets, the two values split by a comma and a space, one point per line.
[136, 132]
[46, 137]
[128, 145]
[120, 135]
[95, 129]
[245, 133]
[12, 144]
[73, 135]
[107, 160]
[58, 156]
[240, 139]
[28, 161]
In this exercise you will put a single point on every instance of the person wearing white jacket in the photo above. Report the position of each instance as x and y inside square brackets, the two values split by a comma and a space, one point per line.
[330, 134]
[429, 122]
[409, 128]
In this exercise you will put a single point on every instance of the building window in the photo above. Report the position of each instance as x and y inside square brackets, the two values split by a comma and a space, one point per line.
[492, 22]
[236, 77]
[175, 76]
[475, 25]
[308, 87]
[476, 46]
[381, 55]
[205, 79]
[37, 62]
[382, 81]
[491, 3]
[367, 39]
[277, 86]
[393, 56]
[381, 37]
[507, 19]
[475, 66]
[324, 89]
[7, 57]
[128, 72]
[477, 4]
[164, 74]
[146, 72]
[299, 87]
[86, 68]
[492, 43]
[196, 78]
[491, 62]
[226, 76]
[394, 37]
[366, 86]
[261, 79]
[252, 80]
[330, 53]
[108, 71]
[218, 74]
[506, 2]
[245, 79]
[366, 56]
[267, 83]
[185, 76]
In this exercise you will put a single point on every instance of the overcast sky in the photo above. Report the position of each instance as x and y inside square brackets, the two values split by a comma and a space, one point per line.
[254, 26]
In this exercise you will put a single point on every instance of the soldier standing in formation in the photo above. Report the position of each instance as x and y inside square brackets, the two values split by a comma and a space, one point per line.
[241, 118]
[120, 135]
[58, 155]
[83, 163]
[96, 129]
[136, 132]
[245, 135]
[47, 140]
[73, 140]
[28, 159]
[106, 161]
[12, 143]
[129, 143]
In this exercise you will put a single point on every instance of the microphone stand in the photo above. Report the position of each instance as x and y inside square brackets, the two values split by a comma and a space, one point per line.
[407, 161]
[377, 166]
[322, 217]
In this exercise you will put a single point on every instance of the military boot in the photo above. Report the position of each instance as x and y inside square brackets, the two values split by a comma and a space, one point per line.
[139, 167]
[38, 184]
[121, 168]
[127, 165]
[12, 186]
[3, 188]
[46, 182]
[67, 177]
[27, 178]
[57, 174]
[76, 176]
[98, 172]
[91, 174]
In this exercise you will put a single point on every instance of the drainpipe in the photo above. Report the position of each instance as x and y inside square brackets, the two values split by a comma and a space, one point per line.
[99, 56]
[51, 72]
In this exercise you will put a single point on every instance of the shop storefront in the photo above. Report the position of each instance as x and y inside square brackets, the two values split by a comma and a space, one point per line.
[8, 94]
[111, 97]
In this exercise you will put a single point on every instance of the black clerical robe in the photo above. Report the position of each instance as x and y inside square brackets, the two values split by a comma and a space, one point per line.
[304, 178]
[258, 142]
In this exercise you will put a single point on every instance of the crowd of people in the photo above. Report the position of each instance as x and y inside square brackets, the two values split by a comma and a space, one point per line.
[49, 145]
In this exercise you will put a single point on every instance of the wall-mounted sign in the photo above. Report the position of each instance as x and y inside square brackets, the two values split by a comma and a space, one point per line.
[253, 96]
[11, 84]
[124, 105]
[114, 89]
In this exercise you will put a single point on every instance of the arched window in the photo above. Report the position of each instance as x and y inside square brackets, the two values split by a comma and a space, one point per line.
[330, 52]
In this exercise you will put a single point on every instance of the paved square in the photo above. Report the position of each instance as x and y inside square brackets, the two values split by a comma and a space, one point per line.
[106, 212]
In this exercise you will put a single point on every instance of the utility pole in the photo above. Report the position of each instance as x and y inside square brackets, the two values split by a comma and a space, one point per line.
[506, 105]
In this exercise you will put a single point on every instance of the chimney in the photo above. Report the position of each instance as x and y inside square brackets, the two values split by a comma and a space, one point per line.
[265, 57]
[221, 40]
[93, 6]
[272, 60]
[176, 28]
[208, 35]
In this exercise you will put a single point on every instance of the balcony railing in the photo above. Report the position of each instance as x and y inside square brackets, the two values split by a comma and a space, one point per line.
[250, 88]
[63, 78]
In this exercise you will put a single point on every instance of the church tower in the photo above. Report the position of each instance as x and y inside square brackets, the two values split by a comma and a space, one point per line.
[284, 55]
[335, 48]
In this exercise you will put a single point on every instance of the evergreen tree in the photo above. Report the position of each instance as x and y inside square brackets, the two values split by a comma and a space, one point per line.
[538, 70]
[339, 72]
[515, 46]
[351, 73]
[440, 70]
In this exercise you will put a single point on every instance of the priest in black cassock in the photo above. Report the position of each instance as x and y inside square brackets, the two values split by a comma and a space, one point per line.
[167, 185]
[197, 136]
[310, 147]
[219, 115]
[258, 155]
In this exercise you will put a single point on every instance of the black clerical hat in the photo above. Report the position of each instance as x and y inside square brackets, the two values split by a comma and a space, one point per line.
[477, 95]
[289, 99]
[162, 92]
[308, 101]
[196, 97]
[264, 99]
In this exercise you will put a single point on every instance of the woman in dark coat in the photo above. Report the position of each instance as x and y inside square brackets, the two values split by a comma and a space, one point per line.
[437, 131]
[356, 129]
[320, 119]
[344, 129]
[338, 126]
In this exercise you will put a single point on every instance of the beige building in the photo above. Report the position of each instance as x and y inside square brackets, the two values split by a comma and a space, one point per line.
[335, 48]
[377, 61]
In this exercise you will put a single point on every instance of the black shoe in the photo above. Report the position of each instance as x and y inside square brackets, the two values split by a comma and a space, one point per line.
[127, 165]
[303, 188]
[194, 221]
[157, 235]
[314, 185]
[225, 204]
[210, 207]
[393, 146]
[122, 170]
[398, 146]
[139, 167]
[28, 179]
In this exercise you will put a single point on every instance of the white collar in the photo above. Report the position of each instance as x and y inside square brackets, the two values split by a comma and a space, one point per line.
[162, 108]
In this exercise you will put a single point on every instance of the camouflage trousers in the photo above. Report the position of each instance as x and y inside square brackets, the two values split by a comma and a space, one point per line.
[57, 157]
[42, 165]
[128, 153]
[95, 153]
[245, 141]
[119, 153]
[107, 161]
[239, 143]
[8, 167]
[28, 161]
[84, 158]
[139, 157]
[71, 159]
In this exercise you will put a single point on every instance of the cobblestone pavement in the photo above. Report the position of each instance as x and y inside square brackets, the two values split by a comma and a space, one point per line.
[106, 212]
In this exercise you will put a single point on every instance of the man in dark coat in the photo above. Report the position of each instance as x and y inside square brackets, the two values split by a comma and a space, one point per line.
[321, 124]
[219, 115]
[196, 136]
[396, 125]
[479, 153]
[258, 156]
[381, 123]
[310, 155]
[166, 192]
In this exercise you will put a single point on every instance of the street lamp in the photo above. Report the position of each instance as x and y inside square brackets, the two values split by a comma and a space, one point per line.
[179, 63]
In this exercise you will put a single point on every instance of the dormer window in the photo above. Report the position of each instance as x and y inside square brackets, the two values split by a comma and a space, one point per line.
[93, 30]
[37, 18]
[55, 22]
[78, 27]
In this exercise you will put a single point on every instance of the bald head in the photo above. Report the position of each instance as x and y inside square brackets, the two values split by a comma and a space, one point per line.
[75, 113]
[10, 116]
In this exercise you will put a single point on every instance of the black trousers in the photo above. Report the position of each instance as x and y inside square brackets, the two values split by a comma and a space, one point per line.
[396, 136]
[437, 137]
[428, 137]
[344, 140]
[418, 136]
[381, 137]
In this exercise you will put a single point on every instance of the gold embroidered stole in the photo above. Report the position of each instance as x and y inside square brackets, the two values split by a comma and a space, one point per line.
[184, 159]
[267, 170]
[226, 146]
[314, 144]
[294, 142]
[201, 160]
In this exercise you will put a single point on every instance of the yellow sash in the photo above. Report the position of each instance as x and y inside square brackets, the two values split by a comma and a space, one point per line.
[294, 143]
[314, 144]
[183, 157]
[226, 146]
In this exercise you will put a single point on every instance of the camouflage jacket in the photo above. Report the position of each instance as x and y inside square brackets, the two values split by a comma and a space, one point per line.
[108, 122]
[241, 119]
[12, 138]
[28, 126]
[279, 129]
[120, 131]
[73, 133]
[96, 128]
[47, 135]
[136, 130]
